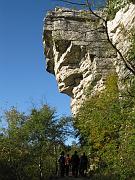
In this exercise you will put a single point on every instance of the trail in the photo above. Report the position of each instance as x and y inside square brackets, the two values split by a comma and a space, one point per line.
[70, 178]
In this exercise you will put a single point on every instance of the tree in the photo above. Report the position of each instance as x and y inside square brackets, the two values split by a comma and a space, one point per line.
[107, 125]
[45, 134]
[31, 143]
[12, 144]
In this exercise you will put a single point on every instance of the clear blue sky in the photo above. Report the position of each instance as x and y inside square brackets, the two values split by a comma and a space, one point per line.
[23, 78]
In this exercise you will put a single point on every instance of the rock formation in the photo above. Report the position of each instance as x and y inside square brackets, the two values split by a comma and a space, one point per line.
[78, 53]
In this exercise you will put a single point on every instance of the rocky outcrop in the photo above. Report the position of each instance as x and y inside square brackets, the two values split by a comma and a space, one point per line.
[78, 53]
[119, 30]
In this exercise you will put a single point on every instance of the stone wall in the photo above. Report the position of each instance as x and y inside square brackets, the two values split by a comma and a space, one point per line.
[78, 53]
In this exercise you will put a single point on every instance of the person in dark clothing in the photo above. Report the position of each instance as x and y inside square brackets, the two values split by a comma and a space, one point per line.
[62, 164]
[67, 164]
[83, 165]
[75, 164]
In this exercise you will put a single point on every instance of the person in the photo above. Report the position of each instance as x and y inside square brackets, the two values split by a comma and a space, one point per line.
[83, 165]
[67, 164]
[62, 164]
[75, 164]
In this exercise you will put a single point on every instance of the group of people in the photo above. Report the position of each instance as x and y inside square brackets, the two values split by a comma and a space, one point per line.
[77, 164]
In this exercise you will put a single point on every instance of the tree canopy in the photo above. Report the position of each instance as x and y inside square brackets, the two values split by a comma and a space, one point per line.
[106, 125]
[30, 145]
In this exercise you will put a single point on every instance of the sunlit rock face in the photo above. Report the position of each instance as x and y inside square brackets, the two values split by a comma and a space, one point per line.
[119, 30]
[78, 53]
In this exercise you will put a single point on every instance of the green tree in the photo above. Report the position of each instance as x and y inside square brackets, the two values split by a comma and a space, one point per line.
[12, 143]
[44, 136]
[106, 123]
[30, 145]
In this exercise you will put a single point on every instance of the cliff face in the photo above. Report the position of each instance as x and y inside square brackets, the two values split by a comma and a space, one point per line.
[78, 53]
[119, 31]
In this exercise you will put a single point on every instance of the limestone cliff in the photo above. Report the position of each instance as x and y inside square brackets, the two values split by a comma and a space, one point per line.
[78, 53]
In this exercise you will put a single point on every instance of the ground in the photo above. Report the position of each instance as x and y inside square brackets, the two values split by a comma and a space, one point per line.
[70, 178]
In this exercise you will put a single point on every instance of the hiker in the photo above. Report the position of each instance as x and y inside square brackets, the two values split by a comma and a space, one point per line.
[62, 164]
[83, 165]
[67, 164]
[75, 164]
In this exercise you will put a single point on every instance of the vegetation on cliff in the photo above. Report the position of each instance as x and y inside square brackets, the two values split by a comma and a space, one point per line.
[113, 6]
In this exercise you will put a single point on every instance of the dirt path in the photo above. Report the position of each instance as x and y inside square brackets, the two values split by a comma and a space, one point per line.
[70, 178]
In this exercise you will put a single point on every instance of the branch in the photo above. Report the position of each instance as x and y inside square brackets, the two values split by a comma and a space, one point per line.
[74, 3]
[130, 94]
[89, 7]
[128, 64]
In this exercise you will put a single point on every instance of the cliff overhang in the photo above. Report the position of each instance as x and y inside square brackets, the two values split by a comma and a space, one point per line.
[78, 52]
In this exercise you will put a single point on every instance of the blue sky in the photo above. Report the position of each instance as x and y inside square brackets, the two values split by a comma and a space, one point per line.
[23, 78]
